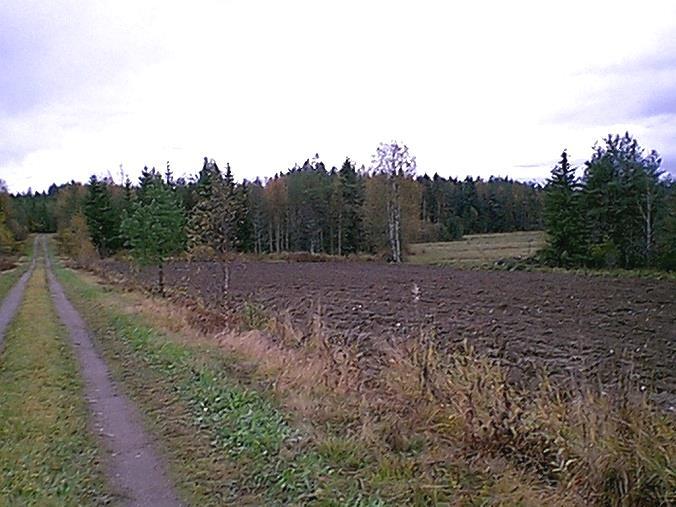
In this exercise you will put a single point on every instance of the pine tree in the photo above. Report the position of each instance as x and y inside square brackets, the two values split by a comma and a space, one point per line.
[154, 227]
[563, 218]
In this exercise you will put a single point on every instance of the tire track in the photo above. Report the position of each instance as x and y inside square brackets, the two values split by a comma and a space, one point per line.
[134, 469]
[13, 299]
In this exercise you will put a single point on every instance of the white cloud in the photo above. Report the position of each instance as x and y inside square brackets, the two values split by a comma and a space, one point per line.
[479, 88]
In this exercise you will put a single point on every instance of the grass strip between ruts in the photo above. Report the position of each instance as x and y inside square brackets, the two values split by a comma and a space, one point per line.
[47, 455]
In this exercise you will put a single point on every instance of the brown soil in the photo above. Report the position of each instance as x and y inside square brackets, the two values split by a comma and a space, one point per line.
[578, 327]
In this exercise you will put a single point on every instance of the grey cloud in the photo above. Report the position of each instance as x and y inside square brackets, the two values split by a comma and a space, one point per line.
[658, 104]
[637, 89]
[55, 50]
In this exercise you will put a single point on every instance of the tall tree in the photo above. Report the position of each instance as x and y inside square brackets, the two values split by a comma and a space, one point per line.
[394, 161]
[665, 241]
[621, 189]
[103, 221]
[351, 199]
[212, 223]
[563, 216]
[154, 227]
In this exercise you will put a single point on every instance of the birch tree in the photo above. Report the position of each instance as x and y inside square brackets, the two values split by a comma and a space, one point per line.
[395, 162]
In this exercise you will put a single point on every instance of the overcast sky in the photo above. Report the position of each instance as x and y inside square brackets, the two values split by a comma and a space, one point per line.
[479, 88]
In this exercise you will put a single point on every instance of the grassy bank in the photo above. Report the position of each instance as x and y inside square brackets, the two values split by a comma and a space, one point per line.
[46, 455]
[269, 416]
[478, 250]
[236, 430]
[9, 278]
[227, 443]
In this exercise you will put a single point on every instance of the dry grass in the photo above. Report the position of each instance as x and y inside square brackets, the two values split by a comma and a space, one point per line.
[478, 250]
[428, 428]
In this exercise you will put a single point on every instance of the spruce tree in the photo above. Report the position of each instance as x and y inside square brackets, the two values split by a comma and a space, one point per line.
[563, 219]
[102, 220]
[154, 227]
[352, 199]
[213, 220]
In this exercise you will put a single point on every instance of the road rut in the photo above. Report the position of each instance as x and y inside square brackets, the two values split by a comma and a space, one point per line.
[12, 301]
[135, 470]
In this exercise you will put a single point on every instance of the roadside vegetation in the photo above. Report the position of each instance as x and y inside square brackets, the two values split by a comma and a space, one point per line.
[8, 279]
[47, 456]
[227, 441]
[270, 415]
[16, 267]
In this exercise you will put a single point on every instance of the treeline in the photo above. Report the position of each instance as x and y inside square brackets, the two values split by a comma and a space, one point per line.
[620, 213]
[308, 208]
[16, 218]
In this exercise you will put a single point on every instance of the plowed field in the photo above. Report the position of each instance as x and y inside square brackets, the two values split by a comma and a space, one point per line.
[579, 327]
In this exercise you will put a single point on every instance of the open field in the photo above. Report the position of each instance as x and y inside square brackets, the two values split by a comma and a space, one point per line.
[290, 396]
[357, 407]
[583, 328]
[478, 250]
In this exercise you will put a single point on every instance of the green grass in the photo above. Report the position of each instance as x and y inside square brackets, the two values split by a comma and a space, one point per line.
[47, 456]
[226, 442]
[9, 278]
[478, 250]
[227, 437]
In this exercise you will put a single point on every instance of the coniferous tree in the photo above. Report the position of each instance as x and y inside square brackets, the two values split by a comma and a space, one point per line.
[154, 227]
[563, 216]
[665, 241]
[103, 222]
[351, 201]
[213, 220]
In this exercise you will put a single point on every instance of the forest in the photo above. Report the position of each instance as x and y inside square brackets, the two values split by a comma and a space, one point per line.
[337, 211]
[618, 213]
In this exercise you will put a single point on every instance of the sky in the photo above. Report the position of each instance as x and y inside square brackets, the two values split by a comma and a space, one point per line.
[473, 88]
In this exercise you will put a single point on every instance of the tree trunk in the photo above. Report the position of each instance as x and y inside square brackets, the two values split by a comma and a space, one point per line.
[160, 277]
[398, 229]
[278, 236]
[225, 278]
[270, 237]
[648, 222]
[394, 220]
[340, 235]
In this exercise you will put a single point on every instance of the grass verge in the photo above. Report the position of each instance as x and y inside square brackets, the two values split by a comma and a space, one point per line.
[9, 278]
[46, 456]
[227, 443]
[305, 422]
[233, 435]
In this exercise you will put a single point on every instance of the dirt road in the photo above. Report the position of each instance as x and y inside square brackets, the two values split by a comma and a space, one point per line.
[135, 470]
[12, 301]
